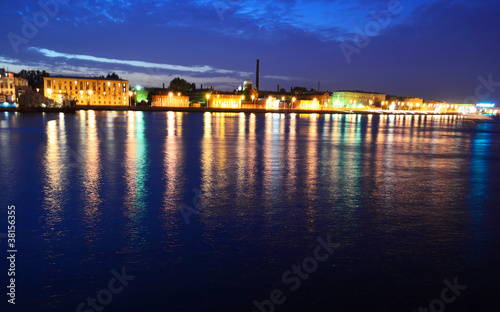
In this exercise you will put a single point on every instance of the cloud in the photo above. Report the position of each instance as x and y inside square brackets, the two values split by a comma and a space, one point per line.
[286, 78]
[141, 64]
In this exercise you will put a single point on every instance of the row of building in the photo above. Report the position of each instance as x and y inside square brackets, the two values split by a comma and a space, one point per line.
[8, 84]
[88, 91]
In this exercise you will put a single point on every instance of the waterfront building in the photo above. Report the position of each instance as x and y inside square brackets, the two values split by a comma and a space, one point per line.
[8, 84]
[402, 103]
[169, 99]
[88, 91]
[28, 98]
[356, 99]
[443, 107]
[272, 103]
[317, 100]
[309, 104]
[224, 100]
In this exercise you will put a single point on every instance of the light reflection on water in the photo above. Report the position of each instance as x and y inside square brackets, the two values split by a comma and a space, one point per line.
[391, 189]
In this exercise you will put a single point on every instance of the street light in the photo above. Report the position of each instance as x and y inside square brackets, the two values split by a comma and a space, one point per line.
[130, 98]
[208, 96]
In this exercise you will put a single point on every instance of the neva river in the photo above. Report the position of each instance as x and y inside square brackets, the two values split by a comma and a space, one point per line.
[157, 211]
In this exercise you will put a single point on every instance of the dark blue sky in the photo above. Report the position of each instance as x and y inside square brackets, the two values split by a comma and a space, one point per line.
[443, 50]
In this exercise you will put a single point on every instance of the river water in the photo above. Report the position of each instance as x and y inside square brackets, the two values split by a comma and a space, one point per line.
[164, 211]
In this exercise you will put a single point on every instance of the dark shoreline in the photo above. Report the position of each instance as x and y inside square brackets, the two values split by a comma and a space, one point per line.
[212, 110]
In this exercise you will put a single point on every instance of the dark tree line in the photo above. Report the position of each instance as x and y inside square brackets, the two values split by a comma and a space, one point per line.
[109, 76]
[34, 77]
[180, 85]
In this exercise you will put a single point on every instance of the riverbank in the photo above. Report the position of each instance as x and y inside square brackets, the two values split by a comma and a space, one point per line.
[217, 110]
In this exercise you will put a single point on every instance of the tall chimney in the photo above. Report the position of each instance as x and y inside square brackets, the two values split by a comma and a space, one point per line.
[163, 86]
[278, 89]
[257, 76]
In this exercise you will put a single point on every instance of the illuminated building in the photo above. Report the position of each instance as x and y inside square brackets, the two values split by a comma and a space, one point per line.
[356, 99]
[88, 91]
[224, 100]
[402, 103]
[487, 108]
[8, 85]
[170, 99]
[309, 104]
[272, 103]
[443, 107]
[316, 100]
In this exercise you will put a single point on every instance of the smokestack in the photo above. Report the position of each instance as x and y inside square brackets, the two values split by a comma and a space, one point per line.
[257, 75]
[163, 86]
[201, 86]
[278, 89]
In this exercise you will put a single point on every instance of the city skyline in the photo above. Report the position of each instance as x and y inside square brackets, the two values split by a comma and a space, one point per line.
[428, 49]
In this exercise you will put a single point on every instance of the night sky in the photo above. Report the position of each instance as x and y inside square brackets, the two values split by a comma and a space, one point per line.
[442, 50]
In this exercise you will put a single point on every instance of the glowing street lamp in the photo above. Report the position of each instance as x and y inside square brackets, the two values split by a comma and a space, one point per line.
[208, 96]
[130, 98]
[293, 101]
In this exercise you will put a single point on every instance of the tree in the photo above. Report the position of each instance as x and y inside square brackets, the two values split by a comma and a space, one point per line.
[180, 85]
[113, 76]
[34, 77]
[109, 76]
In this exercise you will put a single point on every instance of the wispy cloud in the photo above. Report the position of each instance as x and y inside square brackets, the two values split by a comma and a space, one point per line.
[286, 78]
[149, 65]
[142, 64]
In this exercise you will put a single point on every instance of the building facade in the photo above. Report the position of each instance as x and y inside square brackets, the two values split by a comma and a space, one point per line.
[224, 101]
[88, 91]
[309, 104]
[356, 99]
[402, 103]
[8, 85]
[170, 99]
